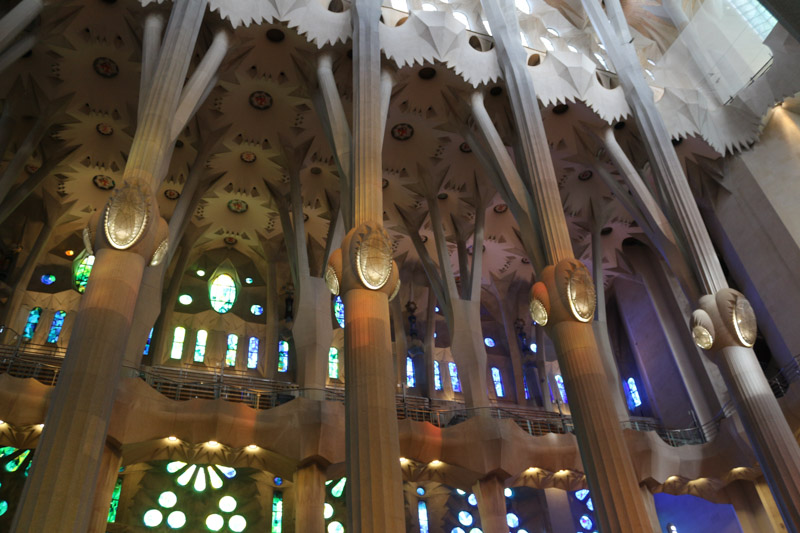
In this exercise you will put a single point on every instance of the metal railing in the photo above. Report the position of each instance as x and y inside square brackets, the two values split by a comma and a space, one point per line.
[43, 363]
[785, 377]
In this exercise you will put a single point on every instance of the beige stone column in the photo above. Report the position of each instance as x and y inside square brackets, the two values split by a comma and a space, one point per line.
[753, 517]
[309, 493]
[568, 297]
[60, 490]
[491, 505]
[726, 318]
[106, 481]
[541, 369]
[18, 19]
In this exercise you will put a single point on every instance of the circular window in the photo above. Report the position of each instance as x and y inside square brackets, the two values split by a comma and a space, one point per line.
[167, 499]
[176, 519]
[237, 523]
[465, 517]
[185, 299]
[153, 517]
[227, 504]
[488, 341]
[214, 522]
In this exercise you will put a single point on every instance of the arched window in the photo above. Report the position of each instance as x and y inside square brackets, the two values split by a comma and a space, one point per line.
[525, 386]
[55, 326]
[283, 356]
[333, 363]
[252, 353]
[561, 390]
[177, 343]
[634, 400]
[222, 293]
[411, 380]
[200, 346]
[81, 270]
[498, 382]
[422, 512]
[277, 512]
[230, 353]
[437, 376]
[338, 311]
[147, 344]
[451, 366]
[32, 323]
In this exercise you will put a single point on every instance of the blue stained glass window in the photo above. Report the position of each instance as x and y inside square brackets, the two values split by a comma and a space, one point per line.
[411, 380]
[498, 382]
[333, 363]
[582, 494]
[590, 504]
[48, 279]
[252, 353]
[437, 376]
[525, 386]
[451, 366]
[634, 400]
[586, 522]
[177, 343]
[200, 346]
[230, 353]
[32, 323]
[465, 517]
[512, 520]
[488, 341]
[423, 517]
[256, 310]
[472, 500]
[55, 326]
[338, 310]
[561, 390]
[222, 293]
[283, 356]
[421, 491]
[147, 344]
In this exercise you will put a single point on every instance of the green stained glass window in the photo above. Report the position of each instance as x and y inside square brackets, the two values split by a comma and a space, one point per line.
[222, 293]
[81, 270]
[32, 323]
[283, 356]
[177, 343]
[277, 512]
[338, 489]
[55, 327]
[230, 353]
[200, 346]
[112, 511]
[333, 363]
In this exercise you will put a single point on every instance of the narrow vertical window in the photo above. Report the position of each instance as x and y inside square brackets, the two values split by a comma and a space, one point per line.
[230, 354]
[411, 380]
[277, 512]
[81, 270]
[437, 376]
[147, 344]
[55, 326]
[498, 382]
[177, 343]
[561, 390]
[200, 346]
[634, 400]
[333, 363]
[283, 356]
[252, 353]
[451, 366]
[423, 517]
[525, 386]
[338, 310]
[32, 323]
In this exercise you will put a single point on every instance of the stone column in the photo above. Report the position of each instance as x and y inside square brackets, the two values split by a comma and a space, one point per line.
[558, 510]
[106, 481]
[568, 297]
[126, 236]
[725, 319]
[375, 495]
[541, 369]
[752, 516]
[491, 505]
[18, 19]
[309, 492]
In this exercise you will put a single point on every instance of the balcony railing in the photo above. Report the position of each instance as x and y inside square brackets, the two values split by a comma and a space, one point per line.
[43, 363]
[787, 375]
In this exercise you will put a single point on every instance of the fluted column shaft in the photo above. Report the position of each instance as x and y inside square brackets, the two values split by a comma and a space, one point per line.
[309, 490]
[17, 19]
[491, 505]
[109, 472]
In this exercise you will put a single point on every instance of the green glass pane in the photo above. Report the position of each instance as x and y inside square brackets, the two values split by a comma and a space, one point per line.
[81, 272]
[277, 512]
[3, 507]
[15, 463]
[112, 510]
[7, 450]
[337, 489]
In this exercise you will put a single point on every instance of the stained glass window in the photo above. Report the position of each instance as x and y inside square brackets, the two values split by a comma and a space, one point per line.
[177, 343]
[525, 386]
[230, 353]
[81, 270]
[437, 376]
[222, 293]
[451, 366]
[465, 517]
[338, 310]
[411, 380]
[48, 279]
[55, 326]
[333, 363]
[32, 323]
[147, 344]
[200, 346]
[561, 390]
[498, 382]
[634, 400]
[488, 341]
[338, 488]
[423, 517]
[252, 353]
[283, 356]
[277, 512]
[112, 510]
